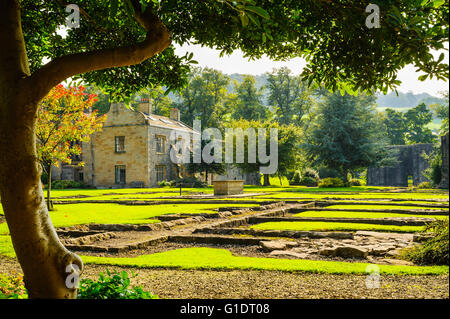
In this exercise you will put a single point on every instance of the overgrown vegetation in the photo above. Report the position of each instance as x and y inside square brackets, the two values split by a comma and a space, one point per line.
[12, 287]
[113, 285]
[331, 182]
[434, 251]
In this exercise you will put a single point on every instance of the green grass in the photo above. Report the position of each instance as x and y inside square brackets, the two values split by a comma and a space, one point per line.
[342, 214]
[387, 206]
[221, 259]
[332, 226]
[6, 247]
[79, 214]
[404, 196]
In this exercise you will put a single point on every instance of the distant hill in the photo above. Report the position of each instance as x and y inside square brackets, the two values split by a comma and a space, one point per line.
[402, 101]
[406, 100]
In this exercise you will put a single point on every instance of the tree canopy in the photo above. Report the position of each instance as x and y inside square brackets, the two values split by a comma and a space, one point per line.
[341, 52]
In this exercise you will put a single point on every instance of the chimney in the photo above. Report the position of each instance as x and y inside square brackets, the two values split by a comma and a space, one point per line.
[175, 114]
[145, 106]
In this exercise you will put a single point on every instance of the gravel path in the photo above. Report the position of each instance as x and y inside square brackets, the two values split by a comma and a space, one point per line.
[186, 284]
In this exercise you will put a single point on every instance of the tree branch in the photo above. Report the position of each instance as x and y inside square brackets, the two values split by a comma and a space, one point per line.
[61, 68]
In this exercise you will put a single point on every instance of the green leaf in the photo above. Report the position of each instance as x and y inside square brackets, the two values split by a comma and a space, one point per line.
[437, 3]
[129, 8]
[254, 19]
[259, 11]
[244, 19]
[114, 5]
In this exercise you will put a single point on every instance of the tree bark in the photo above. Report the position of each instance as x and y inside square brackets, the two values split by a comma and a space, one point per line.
[45, 262]
[266, 180]
[49, 187]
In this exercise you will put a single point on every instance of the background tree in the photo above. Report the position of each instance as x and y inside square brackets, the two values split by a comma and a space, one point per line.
[441, 112]
[64, 121]
[204, 98]
[347, 134]
[123, 45]
[289, 96]
[395, 124]
[205, 168]
[248, 104]
[416, 121]
[288, 147]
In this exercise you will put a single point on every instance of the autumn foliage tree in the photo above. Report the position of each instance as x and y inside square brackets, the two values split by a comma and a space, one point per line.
[64, 121]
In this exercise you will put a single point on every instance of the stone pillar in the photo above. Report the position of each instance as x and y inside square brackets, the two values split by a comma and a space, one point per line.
[444, 150]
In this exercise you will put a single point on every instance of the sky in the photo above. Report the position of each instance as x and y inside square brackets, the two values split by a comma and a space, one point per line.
[236, 63]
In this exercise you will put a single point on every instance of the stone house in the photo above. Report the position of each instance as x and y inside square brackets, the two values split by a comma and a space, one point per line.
[133, 150]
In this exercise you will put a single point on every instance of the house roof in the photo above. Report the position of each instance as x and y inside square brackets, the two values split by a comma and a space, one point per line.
[165, 122]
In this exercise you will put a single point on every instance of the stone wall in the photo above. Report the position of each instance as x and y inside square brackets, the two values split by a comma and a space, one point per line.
[409, 162]
[444, 149]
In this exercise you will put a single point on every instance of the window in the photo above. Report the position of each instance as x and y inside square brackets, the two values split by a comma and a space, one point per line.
[160, 144]
[120, 144]
[160, 173]
[120, 174]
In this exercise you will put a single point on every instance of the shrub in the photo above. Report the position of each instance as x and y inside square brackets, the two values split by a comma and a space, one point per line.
[311, 173]
[424, 185]
[325, 172]
[434, 251]
[63, 184]
[12, 287]
[308, 181]
[112, 286]
[331, 182]
[355, 182]
[164, 184]
[189, 182]
[296, 178]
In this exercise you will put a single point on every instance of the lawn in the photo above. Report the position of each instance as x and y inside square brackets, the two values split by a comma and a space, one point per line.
[387, 206]
[333, 226]
[79, 214]
[368, 195]
[214, 258]
[343, 214]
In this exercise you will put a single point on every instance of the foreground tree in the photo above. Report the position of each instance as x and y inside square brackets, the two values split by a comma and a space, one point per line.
[121, 46]
[64, 121]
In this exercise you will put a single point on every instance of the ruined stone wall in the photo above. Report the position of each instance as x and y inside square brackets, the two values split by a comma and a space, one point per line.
[410, 162]
[445, 168]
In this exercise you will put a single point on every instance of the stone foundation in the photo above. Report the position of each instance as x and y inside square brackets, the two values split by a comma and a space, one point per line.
[229, 187]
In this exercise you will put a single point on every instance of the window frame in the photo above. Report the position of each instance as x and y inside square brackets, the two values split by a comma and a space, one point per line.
[163, 140]
[118, 177]
[157, 167]
[117, 144]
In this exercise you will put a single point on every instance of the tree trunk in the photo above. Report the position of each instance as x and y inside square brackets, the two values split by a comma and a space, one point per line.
[44, 260]
[49, 187]
[266, 180]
